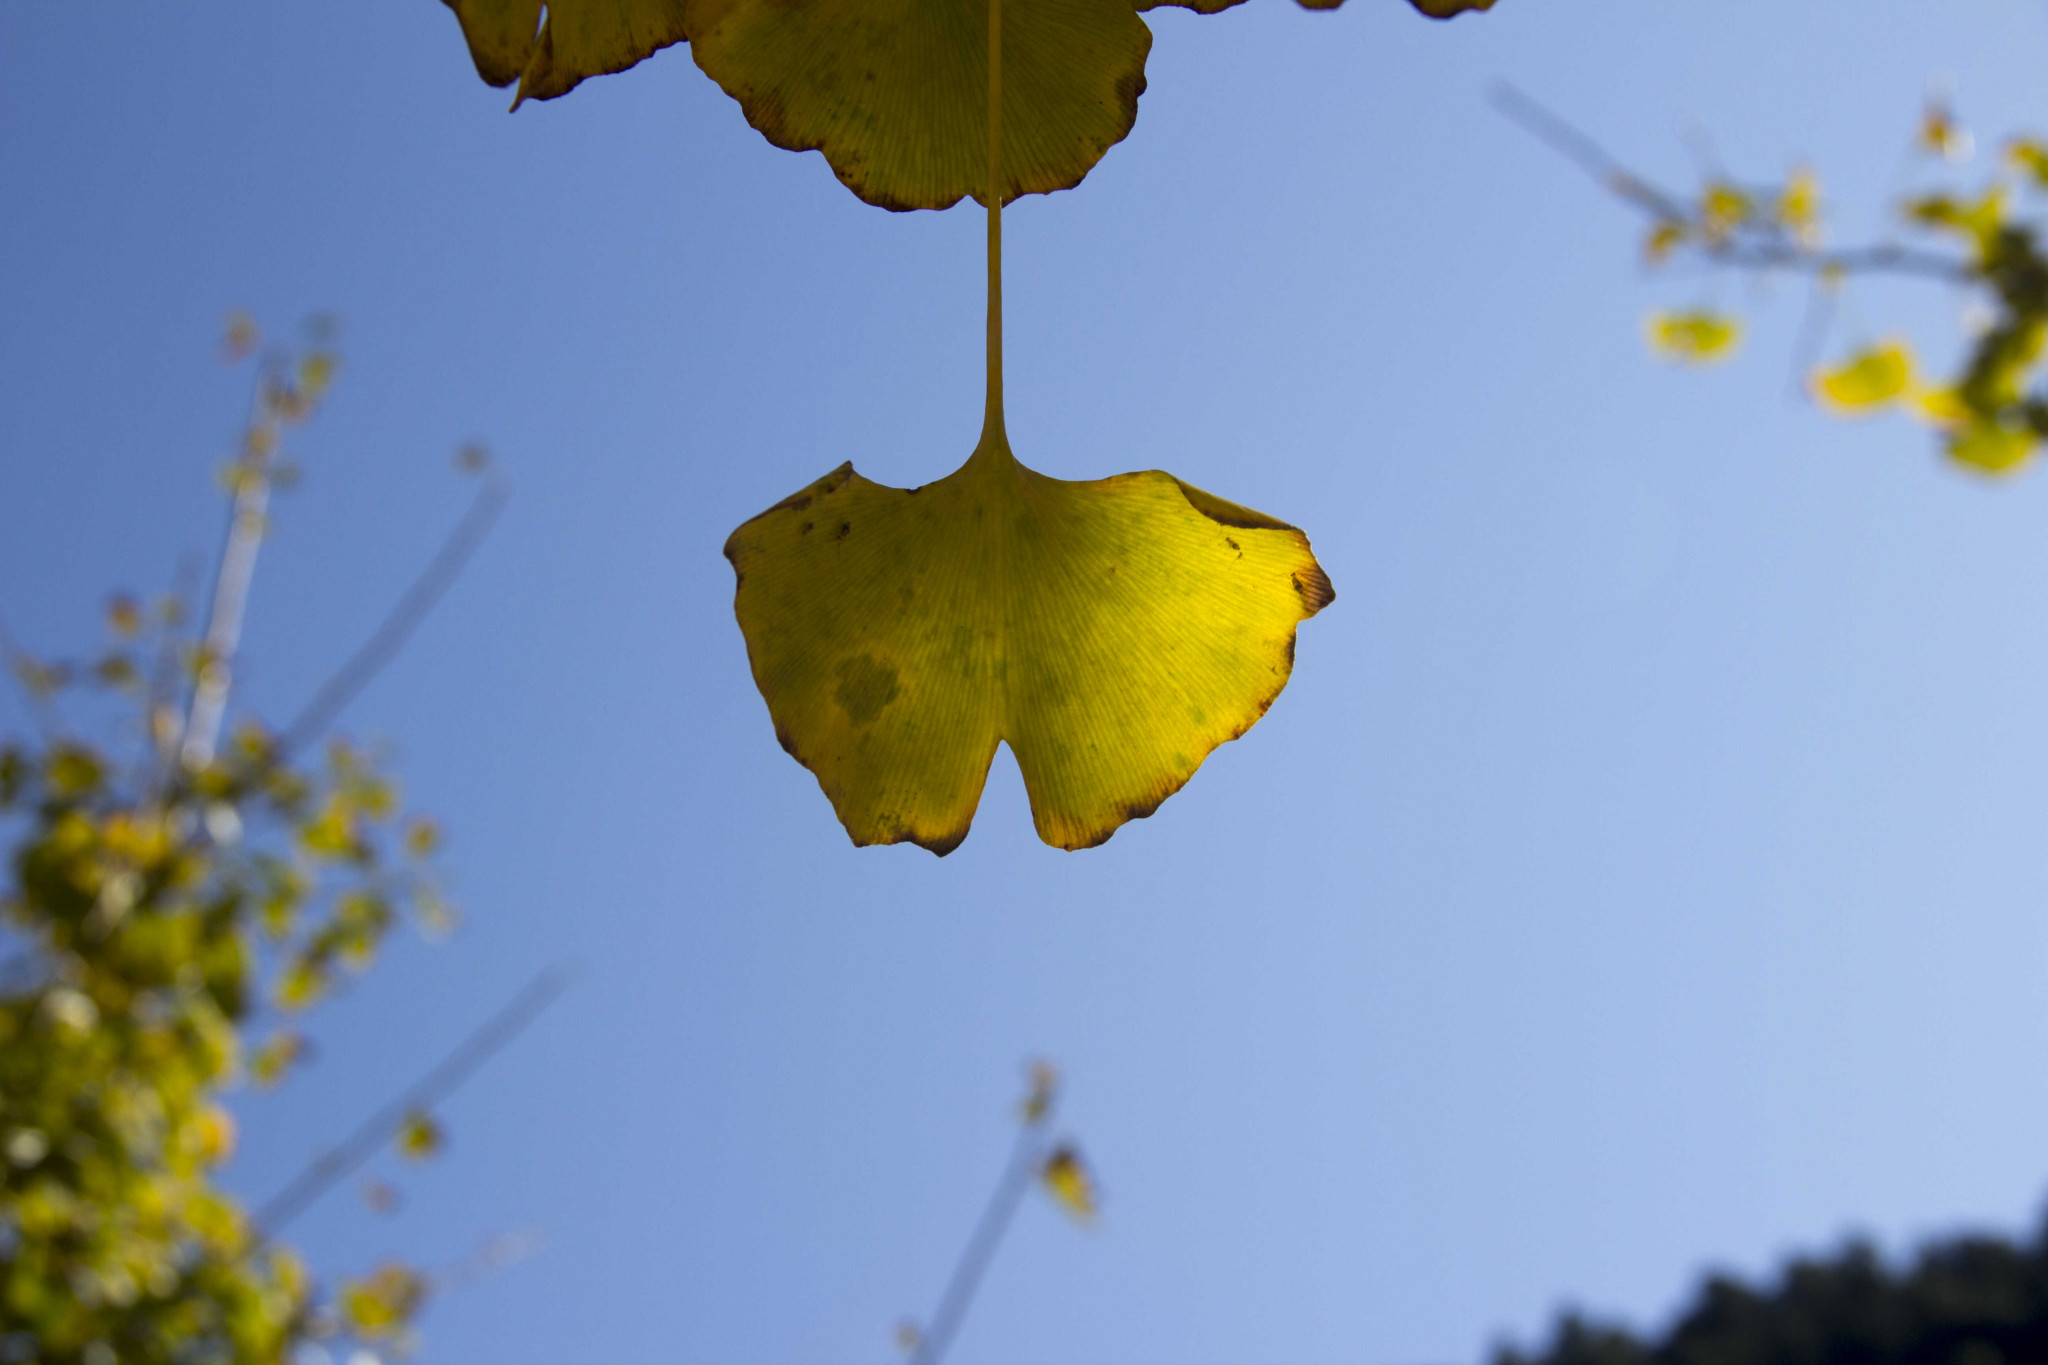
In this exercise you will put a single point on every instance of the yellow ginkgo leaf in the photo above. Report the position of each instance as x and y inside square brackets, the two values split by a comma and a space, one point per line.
[895, 92]
[1696, 337]
[1067, 1180]
[1111, 632]
[1993, 447]
[1981, 221]
[1943, 406]
[1723, 208]
[1799, 206]
[2029, 156]
[888, 90]
[1665, 237]
[1867, 381]
[509, 40]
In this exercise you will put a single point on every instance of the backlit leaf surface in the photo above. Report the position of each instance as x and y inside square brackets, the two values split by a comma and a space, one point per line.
[510, 41]
[1435, 9]
[1112, 632]
[895, 92]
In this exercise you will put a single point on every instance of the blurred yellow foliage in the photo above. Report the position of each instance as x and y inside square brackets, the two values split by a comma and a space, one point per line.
[1867, 381]
[1066, 1178]
[1993, 448]
[419, 1137]
[1695, 337]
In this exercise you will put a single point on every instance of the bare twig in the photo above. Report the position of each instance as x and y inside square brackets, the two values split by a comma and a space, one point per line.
[1025, 1159]
[1879, 259]
[247, 515]
[436, 1085]
[1591, 157]
[389, 637]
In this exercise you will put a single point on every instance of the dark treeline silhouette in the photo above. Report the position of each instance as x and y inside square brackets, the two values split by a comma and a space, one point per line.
[1967, 1301]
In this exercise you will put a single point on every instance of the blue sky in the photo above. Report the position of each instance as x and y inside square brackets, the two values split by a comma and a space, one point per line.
[1641, 873]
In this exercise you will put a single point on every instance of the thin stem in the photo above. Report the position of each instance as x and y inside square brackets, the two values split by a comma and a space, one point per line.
[247, 517]
[1898, 260]
[376, 1130]
[981, 1247]
[390, 636]
[992, 421]
[160, 716]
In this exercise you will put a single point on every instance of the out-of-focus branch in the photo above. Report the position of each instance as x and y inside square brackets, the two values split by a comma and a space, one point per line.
[1025, 1158]
[247, 520]
[1568, 141]
[378, 1129]
[1747, 249]
[412, 608]
[1034, 1157]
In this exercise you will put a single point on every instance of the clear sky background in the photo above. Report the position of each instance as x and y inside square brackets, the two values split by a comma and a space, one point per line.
[1641, 874]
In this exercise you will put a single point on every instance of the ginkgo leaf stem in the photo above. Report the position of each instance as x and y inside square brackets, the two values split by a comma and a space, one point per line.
[992, 433]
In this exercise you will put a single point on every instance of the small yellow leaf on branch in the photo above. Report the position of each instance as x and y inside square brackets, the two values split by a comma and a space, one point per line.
[1068, 1181]
[1664, 238]
[1799, 207]
[1867, 381]
[419, 1137]
[2029, 156]
[1697, 337]
[1723, 208]
[1993, 447]
[1943, 406]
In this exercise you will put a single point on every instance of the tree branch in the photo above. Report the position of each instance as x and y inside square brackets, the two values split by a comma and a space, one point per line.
[390, 637]
[436, 1085]
[1025, 1157]
[1776, 251]
[248, 515]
